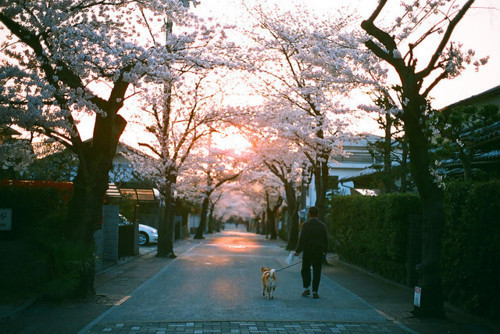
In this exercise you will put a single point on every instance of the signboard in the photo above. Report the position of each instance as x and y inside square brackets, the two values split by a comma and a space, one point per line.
[417, 296]
[5, 219]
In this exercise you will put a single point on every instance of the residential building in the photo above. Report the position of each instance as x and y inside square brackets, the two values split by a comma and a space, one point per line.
[355, 160]
[483, 143]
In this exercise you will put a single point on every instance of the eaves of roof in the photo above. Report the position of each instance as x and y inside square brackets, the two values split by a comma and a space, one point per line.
[482, 135]
[475, 98]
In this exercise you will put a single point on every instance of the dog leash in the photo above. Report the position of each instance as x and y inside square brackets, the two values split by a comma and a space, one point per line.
[288, 266]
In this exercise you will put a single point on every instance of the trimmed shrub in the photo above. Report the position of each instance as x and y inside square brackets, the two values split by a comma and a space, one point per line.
[372, 232]
[283, 234]
[41, 261]
[30, 203]
[471, 247]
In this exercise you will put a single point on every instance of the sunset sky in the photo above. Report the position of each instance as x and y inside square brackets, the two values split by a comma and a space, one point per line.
[479, 30]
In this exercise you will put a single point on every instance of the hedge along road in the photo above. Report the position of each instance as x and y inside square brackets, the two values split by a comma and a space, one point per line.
[218, 279]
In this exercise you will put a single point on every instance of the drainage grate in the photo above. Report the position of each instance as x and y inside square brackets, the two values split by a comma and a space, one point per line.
[400, 317]
[111, 299]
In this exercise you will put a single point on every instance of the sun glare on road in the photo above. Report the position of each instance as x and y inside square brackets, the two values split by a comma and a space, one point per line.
[235, 241]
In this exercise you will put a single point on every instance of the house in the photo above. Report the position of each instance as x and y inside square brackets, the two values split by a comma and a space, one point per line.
[15, 152]
[356, 160]
[491, 96]
[483, 142]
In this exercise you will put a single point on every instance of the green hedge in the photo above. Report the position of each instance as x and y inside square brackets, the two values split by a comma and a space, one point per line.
[471, 247]
[372, 232]
[30, 205]
[36, 258]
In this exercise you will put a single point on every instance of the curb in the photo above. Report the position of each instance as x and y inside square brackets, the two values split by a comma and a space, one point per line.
[18, 309]
[11, 311]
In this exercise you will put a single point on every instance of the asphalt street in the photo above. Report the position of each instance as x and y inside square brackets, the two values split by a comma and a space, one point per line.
[218, 280]
[214, 286]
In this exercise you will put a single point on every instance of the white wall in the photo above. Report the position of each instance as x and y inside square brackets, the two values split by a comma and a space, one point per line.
[357, 160]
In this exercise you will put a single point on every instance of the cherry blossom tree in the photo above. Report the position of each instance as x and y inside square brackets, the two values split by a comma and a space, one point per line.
[16, 155]
[213, 223]
[214, 167]
[206, 207]
[64, 60]
[422, 23]
[263, 191]
[181, 110]
[274, 200]
[279, 148]
[271, 190]
[308, 63]
[237, 200]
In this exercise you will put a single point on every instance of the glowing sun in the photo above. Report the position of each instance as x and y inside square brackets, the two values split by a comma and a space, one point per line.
[231, 139]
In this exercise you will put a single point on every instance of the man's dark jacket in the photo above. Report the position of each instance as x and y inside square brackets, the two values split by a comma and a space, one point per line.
[313, 237]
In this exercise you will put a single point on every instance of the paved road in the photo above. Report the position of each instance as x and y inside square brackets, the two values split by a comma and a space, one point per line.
[214, 286]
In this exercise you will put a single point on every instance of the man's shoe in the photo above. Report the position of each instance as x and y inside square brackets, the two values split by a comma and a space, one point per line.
[306, 293]
[315, 295]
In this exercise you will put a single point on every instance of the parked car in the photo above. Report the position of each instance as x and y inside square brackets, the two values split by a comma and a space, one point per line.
[147, 234]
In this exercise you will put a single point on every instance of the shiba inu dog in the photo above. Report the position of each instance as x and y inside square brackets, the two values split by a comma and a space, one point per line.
[268, 281]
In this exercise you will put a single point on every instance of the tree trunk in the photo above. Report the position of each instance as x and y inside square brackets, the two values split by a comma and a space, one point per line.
[263, 224]
[414, 113]
[404, 166]
[212, 224]
[85, 214]
[432, 209]
[165, 246]
[272, 213]
[89, 188]
[321, 184]
[432, 226]
[203, 219]
[271, 223]
[185, 226]
[388, 181]
[293, 217]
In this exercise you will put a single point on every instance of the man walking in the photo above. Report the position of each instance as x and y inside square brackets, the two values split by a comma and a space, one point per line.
[313, 241]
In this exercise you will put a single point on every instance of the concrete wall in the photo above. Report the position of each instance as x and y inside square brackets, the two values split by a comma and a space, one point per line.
[106, 238]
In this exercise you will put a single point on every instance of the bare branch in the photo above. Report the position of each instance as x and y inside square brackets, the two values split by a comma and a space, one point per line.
[446, 37]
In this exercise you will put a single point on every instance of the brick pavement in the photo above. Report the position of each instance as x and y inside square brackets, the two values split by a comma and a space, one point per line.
[248, 327]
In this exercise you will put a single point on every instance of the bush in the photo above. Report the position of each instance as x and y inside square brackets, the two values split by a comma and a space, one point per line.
[30, 204]
[372, 232]
[471, 247]
[63, 260]
[41, 261]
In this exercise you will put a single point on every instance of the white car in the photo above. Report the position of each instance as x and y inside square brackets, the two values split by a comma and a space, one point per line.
[147, 234]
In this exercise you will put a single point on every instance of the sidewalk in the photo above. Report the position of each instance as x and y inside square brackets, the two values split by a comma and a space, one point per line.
[395, 302]
[115, 285]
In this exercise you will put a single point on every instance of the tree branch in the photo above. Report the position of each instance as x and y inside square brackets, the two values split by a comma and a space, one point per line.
[446, 37]
[377, 11]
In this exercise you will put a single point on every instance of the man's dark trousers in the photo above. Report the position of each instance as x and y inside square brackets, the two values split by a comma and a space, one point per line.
[315, 259]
